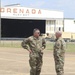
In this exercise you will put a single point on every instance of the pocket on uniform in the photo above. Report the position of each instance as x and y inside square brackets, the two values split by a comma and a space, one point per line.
[41, 54]
[32, 62]
[32, 56]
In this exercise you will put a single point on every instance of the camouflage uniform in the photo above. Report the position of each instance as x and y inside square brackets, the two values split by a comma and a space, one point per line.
[36, 45]
[59, 54]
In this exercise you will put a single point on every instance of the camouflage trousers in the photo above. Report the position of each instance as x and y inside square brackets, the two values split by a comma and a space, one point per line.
[59, 64]
[36, 63]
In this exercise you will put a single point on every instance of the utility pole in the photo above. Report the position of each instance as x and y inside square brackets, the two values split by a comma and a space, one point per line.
[54, 26]
[0, 24]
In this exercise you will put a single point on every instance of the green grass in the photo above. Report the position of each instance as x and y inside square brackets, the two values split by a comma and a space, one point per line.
[49, 46]
[70, 47]
[11, 45]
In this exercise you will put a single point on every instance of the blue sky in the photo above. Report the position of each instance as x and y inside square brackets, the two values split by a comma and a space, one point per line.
[67, 6]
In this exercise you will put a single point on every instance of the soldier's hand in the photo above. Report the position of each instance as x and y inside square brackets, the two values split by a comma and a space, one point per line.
[30, 51]
[42, 50]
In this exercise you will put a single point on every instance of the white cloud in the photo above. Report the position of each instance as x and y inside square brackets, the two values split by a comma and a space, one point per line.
[68, 6]
[37, 4]
[3, 3]
[7, 2]
[66, 3]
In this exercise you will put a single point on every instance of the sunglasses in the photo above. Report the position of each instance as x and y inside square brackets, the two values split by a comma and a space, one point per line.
[38, 33]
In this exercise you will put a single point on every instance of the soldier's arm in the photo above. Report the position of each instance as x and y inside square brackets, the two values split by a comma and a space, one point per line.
[57, 49]
[58, 45]
[63, 45]
[25, 44]
[43, 43]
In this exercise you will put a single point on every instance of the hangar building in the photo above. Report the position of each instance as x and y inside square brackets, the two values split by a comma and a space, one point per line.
[19, 22]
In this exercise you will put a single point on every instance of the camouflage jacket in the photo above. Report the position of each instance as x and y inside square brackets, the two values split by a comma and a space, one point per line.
[59, 47]
[34, 44]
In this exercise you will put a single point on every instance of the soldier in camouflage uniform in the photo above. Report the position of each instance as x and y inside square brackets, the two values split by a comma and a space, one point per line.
[59, 53]
[35, 45]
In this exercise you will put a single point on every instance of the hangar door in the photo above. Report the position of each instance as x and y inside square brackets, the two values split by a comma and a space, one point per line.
[18, 28]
